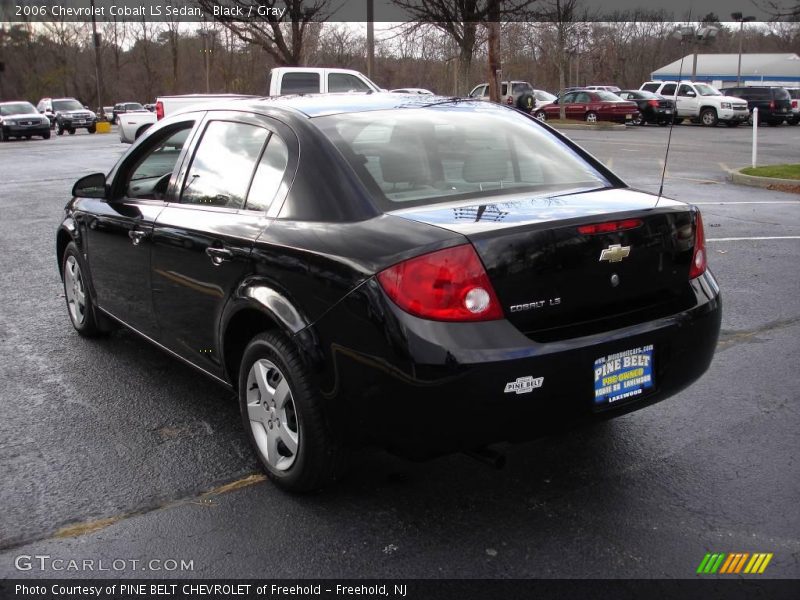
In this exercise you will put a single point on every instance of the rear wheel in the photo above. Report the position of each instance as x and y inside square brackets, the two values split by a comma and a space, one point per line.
[677, 121]
[793, 121]
[709, 117]
[71, 131]
[59, 129]
[46, 135]
[91, 129]
[732, 123]
[774, 122]
[541, 115]
[283, 416]
[76, 291]
[638, 120]
[2, 135]
[591, 117]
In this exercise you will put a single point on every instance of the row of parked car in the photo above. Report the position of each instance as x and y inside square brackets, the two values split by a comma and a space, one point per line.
[657, 102]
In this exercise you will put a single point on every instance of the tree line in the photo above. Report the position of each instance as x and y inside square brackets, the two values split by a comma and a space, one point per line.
[140, 60]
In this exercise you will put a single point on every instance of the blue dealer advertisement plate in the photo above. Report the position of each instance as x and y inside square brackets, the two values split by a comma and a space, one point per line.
[623, 375]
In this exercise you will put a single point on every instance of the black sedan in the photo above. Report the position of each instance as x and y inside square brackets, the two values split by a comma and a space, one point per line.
[426, 274]
[652, 107]
[21, 119]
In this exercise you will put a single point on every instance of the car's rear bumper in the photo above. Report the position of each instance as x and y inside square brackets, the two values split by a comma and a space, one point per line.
[421, 387]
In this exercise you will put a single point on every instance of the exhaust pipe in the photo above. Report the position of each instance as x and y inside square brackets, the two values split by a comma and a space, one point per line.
[488, 457]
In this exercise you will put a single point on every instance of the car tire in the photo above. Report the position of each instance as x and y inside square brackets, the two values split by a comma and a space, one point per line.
[677, 121]
[591, 117]
[71, 131]
[46, 136]
[91, 129]
[59, 129]
[76, 291]
[709, 117]
[663, 123]
[284, 418]
[774, 122]
[2, 136]
[792, 121]
[732, 123]
[541, 116]
[638, 120]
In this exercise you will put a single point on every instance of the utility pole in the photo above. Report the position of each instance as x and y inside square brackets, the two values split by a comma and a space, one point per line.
[96, 44]
[370, 38]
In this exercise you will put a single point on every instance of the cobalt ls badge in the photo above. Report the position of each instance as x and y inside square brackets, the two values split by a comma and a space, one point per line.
[615, 253]
[523, 385]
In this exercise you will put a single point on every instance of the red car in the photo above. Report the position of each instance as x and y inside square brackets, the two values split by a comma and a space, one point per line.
[591, 106]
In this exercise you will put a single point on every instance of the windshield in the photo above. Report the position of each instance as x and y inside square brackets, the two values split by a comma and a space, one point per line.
[543, 96]
[607, 96]
[413, 157]
[133, 106]
[66, 105]
[706, 90]
[17, 108]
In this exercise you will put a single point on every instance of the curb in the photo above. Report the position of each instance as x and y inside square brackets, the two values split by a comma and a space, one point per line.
[769, 183]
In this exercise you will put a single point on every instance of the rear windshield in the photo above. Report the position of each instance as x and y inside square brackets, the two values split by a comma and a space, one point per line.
[607, 96]
[413, 157]
[781, 94]
[794, 93]
[133, 106]
[17, 108]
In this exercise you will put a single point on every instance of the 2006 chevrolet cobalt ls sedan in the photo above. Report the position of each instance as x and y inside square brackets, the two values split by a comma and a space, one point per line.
[423, 273]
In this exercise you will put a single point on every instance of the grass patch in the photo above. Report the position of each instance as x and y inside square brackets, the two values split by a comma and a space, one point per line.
[777, 171]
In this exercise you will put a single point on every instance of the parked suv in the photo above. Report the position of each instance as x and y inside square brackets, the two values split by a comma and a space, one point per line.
[774, 103]
[522, 94]
[700, 102]
[67, 114]
[794, 93]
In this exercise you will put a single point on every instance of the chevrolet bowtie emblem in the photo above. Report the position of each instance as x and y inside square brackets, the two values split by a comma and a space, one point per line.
[615, 253]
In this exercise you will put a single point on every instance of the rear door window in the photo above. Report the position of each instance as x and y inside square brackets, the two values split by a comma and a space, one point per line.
[223, 164]
[300, 83]
[668, 89]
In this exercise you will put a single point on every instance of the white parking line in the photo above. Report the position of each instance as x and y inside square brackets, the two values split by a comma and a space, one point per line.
[742, 239]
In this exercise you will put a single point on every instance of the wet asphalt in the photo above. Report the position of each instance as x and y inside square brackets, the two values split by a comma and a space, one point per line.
[128, 449]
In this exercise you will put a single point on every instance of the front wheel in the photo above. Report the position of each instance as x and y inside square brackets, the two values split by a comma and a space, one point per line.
[76, 291]
[591, 117]
[2, 135]
[46, 135]
[638, 120]
[709, 117]
[283, 416]
[91, 129]
[59, 129]
[71, 131]
[541, 116]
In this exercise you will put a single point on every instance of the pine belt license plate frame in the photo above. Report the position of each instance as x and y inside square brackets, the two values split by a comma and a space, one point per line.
[623, 376]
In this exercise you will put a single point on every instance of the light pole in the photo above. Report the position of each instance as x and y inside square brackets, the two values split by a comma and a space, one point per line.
[705, 33]
[737, 16]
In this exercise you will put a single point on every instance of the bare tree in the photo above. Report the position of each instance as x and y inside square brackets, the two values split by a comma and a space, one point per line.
[459, 19]
[282, 40]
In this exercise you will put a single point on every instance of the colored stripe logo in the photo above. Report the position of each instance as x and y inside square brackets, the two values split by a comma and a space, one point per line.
[734, 563]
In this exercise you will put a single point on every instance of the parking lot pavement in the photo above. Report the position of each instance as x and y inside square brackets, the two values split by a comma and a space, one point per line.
[121, 441]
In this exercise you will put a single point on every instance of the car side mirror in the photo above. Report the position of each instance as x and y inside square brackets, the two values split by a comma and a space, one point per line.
[91, 186]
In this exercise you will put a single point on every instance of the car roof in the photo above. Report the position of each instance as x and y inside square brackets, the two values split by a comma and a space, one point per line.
[318, 105]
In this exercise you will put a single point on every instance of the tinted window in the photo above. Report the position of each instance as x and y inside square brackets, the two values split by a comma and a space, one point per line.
[685, 90]
[424, 156]
[583, 97]
[342, 82]
[650, 87]
[668, 89]
[300, 83]
[522, 88]
[781, 94]
[223, 164]
[149, 176]
[269, 174]
[67, 105]
[16, 108]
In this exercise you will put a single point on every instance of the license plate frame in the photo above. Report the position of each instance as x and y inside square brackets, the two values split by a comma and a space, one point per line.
[623, 376]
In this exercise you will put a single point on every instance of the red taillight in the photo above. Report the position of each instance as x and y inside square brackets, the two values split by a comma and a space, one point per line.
[610, 226]
[794, 103]
[446, 285]
[653, 103]
[772, 104]
[159, 110]
[699, 262]
[510, 100]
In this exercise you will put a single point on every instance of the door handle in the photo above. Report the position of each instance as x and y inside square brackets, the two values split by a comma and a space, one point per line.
[219, 255]
[137, 235]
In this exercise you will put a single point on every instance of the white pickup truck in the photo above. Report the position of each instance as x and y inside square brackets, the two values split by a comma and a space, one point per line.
[317, 80]
[700, 102]
[134, 124]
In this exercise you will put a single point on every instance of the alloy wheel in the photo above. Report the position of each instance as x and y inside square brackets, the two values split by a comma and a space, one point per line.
[75, 291]
[591, 117]
[272, 414]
